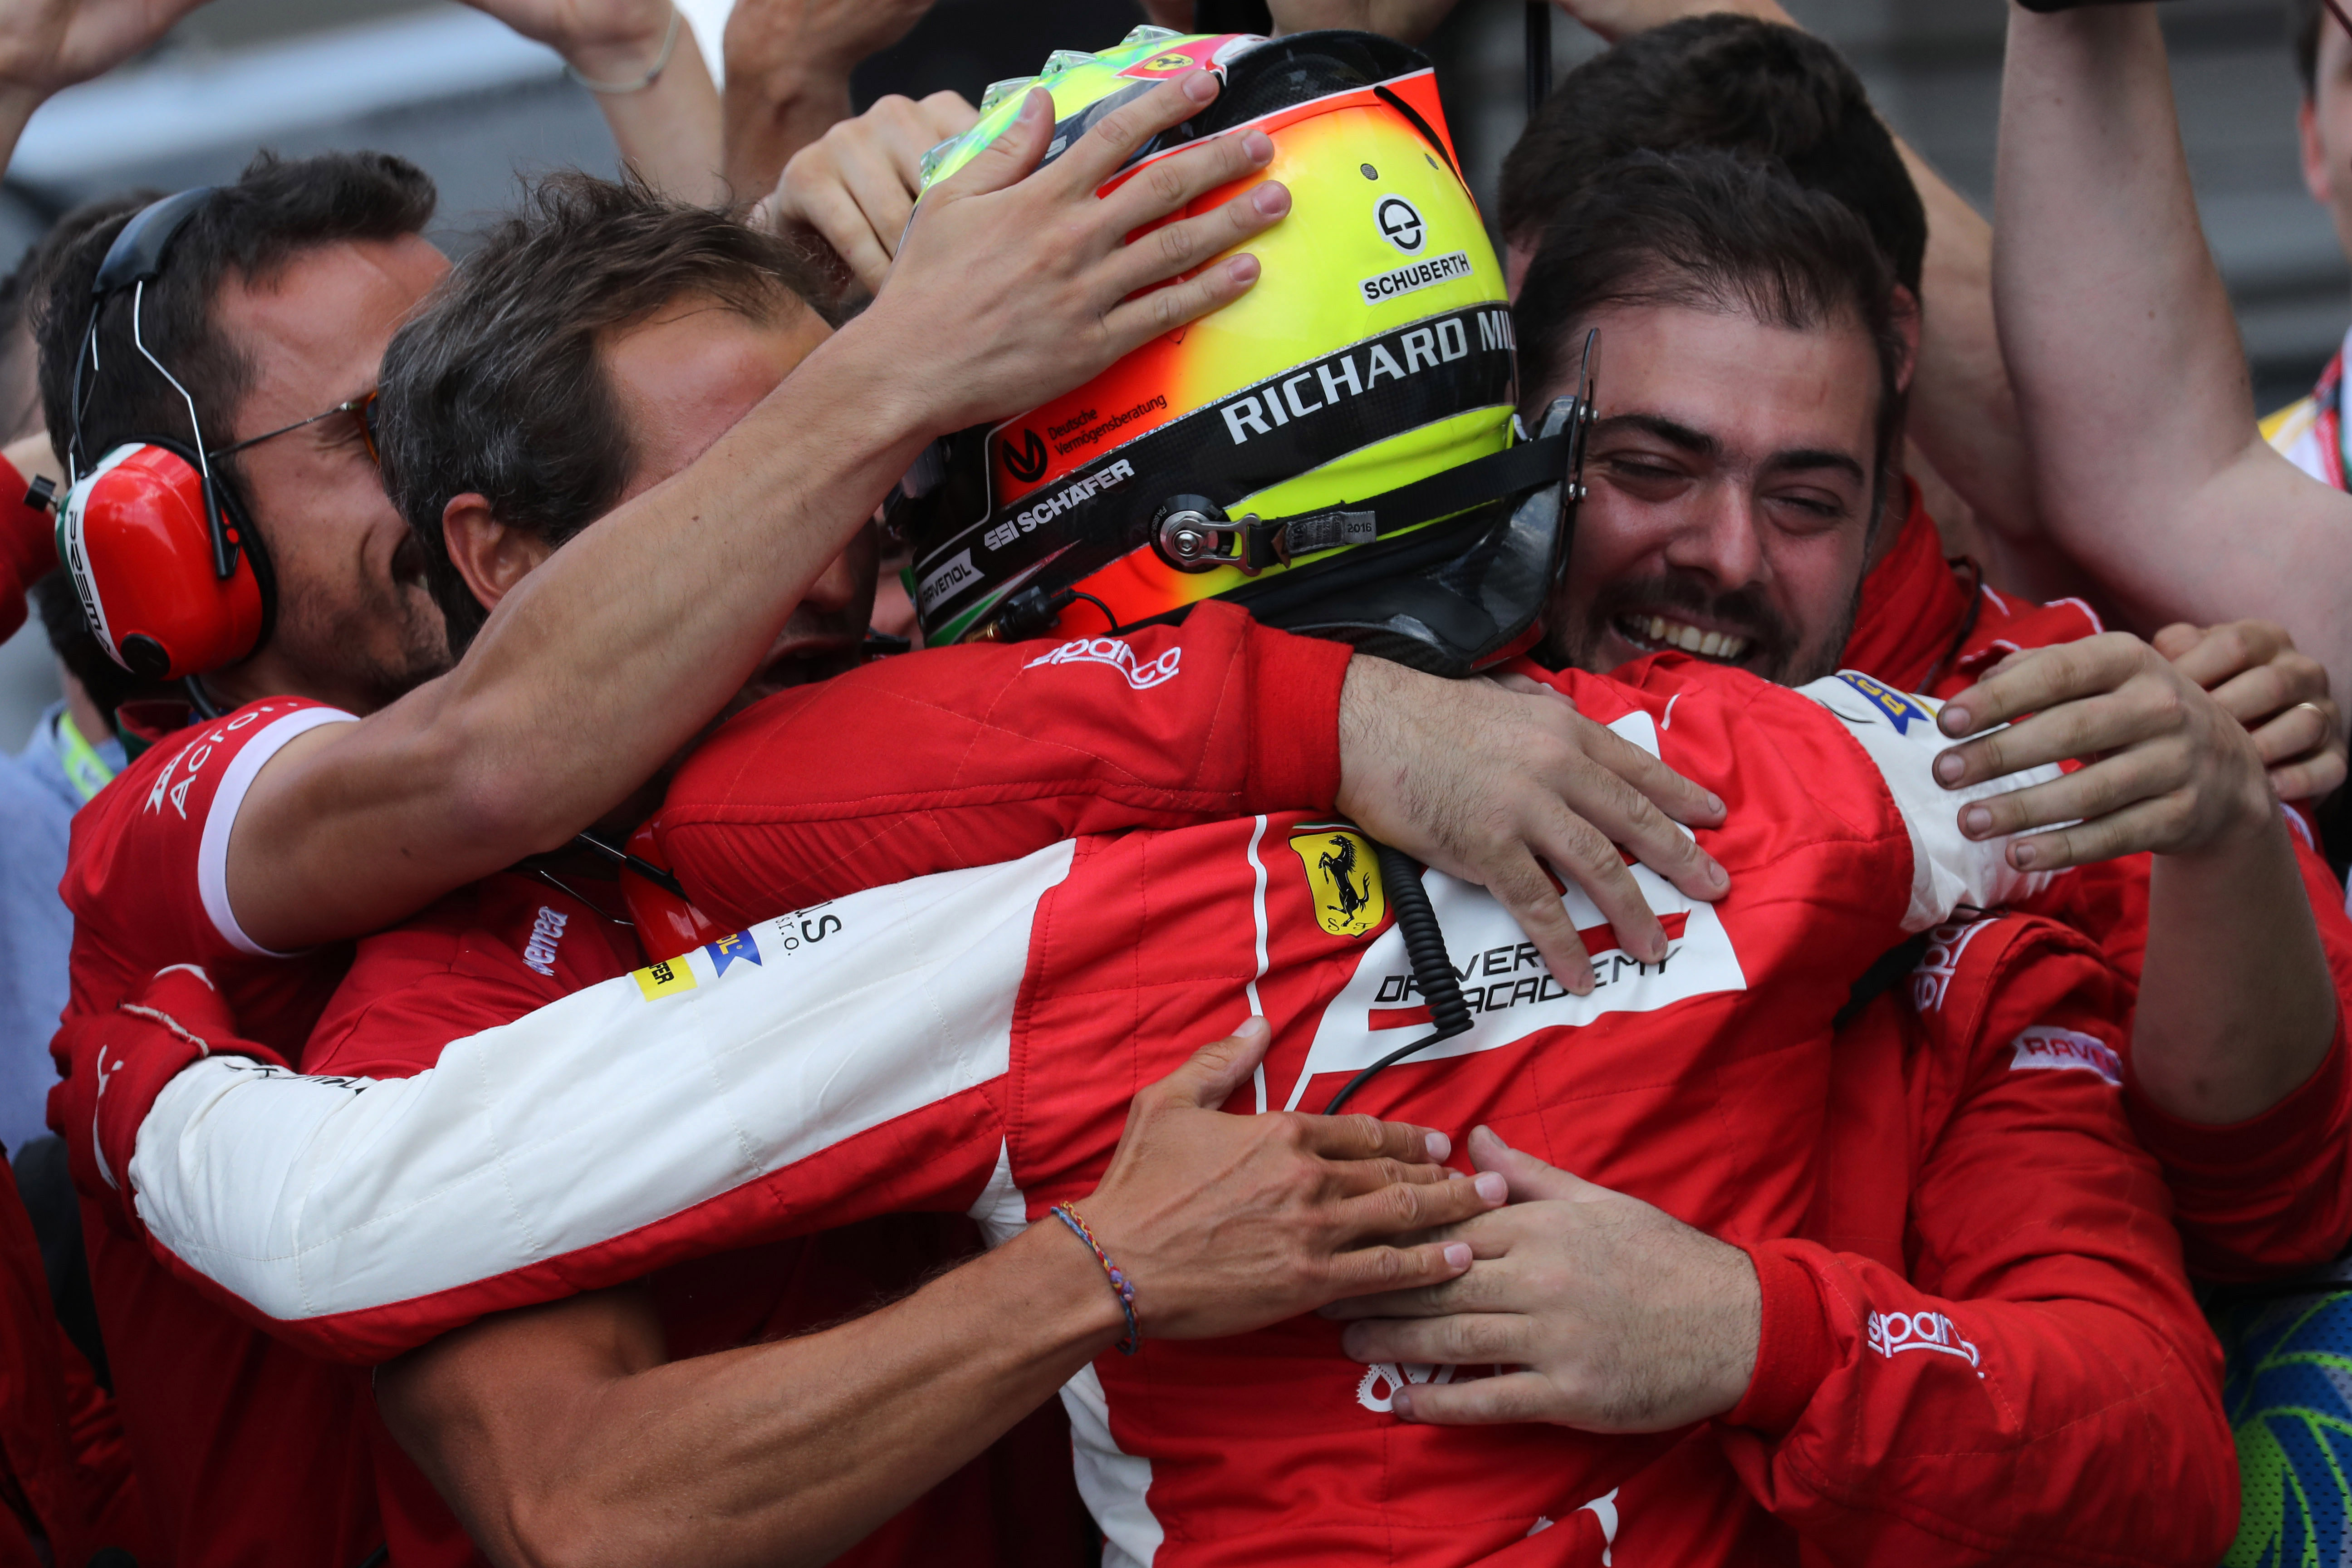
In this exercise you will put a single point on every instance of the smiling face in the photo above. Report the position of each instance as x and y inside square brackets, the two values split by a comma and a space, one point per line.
[355, 625]
[1730, 490]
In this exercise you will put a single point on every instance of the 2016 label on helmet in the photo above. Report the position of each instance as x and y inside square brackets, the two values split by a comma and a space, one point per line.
[1399, 223]
[1419, 275]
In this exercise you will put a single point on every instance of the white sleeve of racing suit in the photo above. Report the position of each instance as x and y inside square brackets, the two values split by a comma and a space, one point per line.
[1948, 869]
[610, 1110]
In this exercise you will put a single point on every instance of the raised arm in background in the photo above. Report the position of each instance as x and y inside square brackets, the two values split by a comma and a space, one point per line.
[641, 64]
[2137, 404]
[788, 65]
[49, 45]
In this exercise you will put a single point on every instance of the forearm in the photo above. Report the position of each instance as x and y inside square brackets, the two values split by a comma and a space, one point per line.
[2125, 355]
[2236, 1004]
[667, 131]
[779, 1454]
[770, 116]
[577, 690]
[1963, 413]
[16, 106]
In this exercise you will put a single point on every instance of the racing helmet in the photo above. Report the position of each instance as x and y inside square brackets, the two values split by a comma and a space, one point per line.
[1336, 450]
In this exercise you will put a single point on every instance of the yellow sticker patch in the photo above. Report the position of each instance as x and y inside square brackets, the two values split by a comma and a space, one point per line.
[664, 979]
[1344, 877]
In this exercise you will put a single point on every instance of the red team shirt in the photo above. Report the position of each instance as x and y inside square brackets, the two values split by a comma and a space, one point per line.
[744, 1092]
[224, 1423]
[1828, 1307]
[209, 1403]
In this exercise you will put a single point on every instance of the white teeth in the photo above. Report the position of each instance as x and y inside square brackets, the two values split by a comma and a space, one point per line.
[1690, 639]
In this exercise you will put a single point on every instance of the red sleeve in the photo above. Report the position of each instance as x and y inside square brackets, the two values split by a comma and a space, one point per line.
[150, 860]
[1978, 1405]
[28, 547]
[483, 956]
[2271, 1195]
[980, 754]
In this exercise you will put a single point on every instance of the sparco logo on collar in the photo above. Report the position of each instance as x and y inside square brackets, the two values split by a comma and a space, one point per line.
[1400, 224]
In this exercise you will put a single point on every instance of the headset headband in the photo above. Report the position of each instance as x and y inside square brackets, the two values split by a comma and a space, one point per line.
[137, 253]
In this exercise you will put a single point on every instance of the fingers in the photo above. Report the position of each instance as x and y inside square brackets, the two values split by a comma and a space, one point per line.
[1403, 1208]
[2175, 639]
[2104, 787]
[1671, 792]
[1129, 326]
[812, 193]
[1215, 1071]
[1011, 156]
[1117, 136]
[2041, 679]
[2302, 728]
[1394, 1268]
[1519, 883]
[1361, 1137]
[1453, 1339]
[944, 114]
[1528, 1177]
[1516, 1397]
[1174, 248]
[2313, 778]
[2149, 825]
[2067, 730]
[2228, 650]
[1171, 183]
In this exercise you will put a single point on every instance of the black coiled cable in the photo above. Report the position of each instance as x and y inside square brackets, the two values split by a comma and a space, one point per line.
[1433, 969]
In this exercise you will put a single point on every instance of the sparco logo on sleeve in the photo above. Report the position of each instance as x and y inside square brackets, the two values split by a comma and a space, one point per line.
[1142, 676]
[1891, 1333]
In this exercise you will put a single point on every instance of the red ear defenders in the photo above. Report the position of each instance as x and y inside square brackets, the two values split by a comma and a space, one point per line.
[173, 578]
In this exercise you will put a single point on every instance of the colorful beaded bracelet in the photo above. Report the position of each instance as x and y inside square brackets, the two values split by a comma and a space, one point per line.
[1119, 1283]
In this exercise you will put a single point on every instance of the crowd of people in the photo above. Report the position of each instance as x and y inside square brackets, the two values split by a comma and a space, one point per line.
[1672, 895]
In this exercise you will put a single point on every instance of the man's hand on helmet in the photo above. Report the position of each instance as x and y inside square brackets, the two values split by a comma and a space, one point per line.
[855, 187]
[1493, 784]
[1017, 283]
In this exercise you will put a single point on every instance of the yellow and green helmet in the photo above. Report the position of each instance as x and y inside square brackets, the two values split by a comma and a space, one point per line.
[1336, 450]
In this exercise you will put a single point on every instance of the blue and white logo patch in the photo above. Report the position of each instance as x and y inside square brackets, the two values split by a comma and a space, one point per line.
[1899, 707]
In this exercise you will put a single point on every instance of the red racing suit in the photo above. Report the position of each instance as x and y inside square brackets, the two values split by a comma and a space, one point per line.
[490, 953]
[1204, 720]
[2262, 1198]
[971, 1040]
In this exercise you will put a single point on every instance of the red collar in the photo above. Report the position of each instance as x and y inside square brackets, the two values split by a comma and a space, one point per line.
[1912, 606]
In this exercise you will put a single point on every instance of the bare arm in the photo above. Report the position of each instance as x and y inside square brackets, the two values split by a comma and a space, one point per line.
[667, 130]
[48, 45]
[574, 693]
[562, 1434]
[2119, 334]
[788, 65]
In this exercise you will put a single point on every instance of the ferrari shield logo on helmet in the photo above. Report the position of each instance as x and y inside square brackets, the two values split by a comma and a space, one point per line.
[1344, 877]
